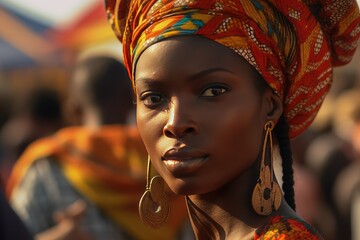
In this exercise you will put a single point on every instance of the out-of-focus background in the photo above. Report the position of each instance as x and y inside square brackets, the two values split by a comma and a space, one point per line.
[40, 42]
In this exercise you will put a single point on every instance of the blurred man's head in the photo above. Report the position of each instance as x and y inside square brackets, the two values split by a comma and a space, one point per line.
[100, 92]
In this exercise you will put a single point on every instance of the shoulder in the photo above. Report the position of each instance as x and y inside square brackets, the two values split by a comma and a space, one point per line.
[280, 227]
[34, 181]
[42, 181]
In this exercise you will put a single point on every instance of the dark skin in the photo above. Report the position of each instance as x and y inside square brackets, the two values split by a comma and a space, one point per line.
[202, 120]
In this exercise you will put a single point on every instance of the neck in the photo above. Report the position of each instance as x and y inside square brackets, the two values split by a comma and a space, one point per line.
[227, 212]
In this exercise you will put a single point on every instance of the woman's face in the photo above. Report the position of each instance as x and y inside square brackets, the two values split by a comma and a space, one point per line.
[199, 113]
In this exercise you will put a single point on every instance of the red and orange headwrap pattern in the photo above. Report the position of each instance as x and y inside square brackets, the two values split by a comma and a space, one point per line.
[293, 44]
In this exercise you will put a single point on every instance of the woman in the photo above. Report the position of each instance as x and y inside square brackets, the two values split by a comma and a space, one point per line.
[213, 79]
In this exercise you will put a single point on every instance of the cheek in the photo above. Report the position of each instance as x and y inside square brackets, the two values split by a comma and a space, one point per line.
[246, 141]
[240, 133]
[150, 127]
[146, 126]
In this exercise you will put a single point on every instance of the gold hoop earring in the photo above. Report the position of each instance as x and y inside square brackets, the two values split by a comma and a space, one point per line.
[267, 195]
[154, 204]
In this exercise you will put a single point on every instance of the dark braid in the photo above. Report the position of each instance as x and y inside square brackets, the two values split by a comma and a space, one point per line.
[282, 134]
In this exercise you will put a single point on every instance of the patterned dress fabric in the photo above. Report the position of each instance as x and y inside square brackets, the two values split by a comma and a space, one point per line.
[294, 45]
[281, 228]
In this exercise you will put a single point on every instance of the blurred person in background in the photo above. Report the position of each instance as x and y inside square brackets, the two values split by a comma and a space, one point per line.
[306, 184]
[347, 183]
[35, 114]
[85, 181]
[332, 156]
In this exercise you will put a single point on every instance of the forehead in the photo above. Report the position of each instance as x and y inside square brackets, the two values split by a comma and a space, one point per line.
[179, 55]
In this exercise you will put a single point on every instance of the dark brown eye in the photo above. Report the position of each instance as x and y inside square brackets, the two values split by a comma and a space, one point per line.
[152, 100]
[213, 91]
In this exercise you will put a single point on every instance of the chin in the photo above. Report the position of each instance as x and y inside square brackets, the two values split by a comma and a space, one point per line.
[182, 187]
[179, 187]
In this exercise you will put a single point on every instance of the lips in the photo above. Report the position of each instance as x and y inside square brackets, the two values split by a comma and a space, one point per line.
[184, 160]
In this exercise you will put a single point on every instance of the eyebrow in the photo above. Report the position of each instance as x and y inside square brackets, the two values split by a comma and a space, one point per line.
[191, 78]
[207, 72]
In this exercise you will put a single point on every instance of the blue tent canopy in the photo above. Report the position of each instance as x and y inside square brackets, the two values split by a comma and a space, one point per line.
[10, 56]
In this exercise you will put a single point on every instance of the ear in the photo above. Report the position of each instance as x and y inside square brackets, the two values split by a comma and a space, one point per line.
[272, 106]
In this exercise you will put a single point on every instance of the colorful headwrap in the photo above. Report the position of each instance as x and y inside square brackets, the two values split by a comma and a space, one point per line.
[293, 44]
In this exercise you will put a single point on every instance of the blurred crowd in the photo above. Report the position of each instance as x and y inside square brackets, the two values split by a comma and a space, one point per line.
[327, 161]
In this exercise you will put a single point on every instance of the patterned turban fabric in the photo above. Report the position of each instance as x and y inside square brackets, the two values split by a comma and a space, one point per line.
[293, 44]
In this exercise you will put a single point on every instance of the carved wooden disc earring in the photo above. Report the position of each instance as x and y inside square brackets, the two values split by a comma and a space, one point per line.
[267, 194]
[154, 204]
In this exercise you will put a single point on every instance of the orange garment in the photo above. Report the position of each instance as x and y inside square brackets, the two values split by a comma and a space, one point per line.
[293, 44]
[107, 166]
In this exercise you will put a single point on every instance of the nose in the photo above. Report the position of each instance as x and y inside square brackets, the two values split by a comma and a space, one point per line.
[180, 121]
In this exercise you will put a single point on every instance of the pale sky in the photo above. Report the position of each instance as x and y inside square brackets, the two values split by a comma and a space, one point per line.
[53, 12]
